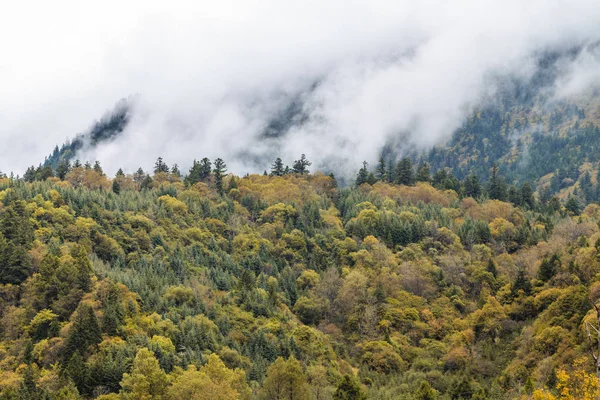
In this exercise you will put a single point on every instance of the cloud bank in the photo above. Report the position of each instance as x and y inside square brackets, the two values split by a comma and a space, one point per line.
[212, 76]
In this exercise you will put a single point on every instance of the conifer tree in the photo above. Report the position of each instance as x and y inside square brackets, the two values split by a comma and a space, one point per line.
[175, 170]
[404, 172]
[301, 166]
[277, 168]
[363, 175]
[62, 169]
[349, 389]
[496, 187]
[381, 170]
[160, 166]
[472, 187]
[423, 173]
[219, 171]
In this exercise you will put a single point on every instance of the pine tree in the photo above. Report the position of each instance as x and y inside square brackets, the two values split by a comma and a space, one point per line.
[349, 389]
[491, 268]
[404, 172]
[526, 195]
[301, 166]
[381, 170]
[116, 186]
[472, 187]
[62, 169]
[219, 171]
[426, 392]
[277, 169]
[573, 205]
[514, 196]
[521, 283]
[160, 166]
[423, 173]
[496, 187]
[98, 168]
[175, 170]
[84, 332]
[362, 175]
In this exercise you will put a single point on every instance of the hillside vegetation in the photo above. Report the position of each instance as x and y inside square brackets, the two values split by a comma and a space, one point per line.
[288, 287]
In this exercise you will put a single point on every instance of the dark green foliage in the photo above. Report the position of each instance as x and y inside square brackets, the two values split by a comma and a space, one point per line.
[277, 168]
[496, 187]
[199, 171]
[116, 187]
[219, 172]
[363, 175]
[549, 268]
[423, 173]
[301, 166]
[381, 170]
[84, 332]
[160, 166]
[349, 389]
[573, 206]
[521, 282]
[472, 187]
[404, 174]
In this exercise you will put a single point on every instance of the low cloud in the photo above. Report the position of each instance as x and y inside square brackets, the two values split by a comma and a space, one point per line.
[212, 76]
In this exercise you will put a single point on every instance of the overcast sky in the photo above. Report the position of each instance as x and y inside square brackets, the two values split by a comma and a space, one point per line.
[211, 74]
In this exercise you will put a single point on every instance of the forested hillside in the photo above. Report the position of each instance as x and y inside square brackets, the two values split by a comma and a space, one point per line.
[284, 286]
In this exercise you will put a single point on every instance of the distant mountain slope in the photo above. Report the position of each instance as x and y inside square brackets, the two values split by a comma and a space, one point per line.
[107, 128]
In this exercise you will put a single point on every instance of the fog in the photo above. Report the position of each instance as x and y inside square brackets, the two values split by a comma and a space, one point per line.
[211, 76]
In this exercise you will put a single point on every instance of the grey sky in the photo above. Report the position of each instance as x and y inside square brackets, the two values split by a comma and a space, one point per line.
[212, 73]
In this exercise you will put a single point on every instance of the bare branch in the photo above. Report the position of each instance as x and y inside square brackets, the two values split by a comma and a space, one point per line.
[592, 342]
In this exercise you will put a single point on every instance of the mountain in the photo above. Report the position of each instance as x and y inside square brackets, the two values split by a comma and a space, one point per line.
[109, 127]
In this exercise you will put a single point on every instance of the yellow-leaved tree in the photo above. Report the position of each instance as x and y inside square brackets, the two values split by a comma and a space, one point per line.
[213, 381]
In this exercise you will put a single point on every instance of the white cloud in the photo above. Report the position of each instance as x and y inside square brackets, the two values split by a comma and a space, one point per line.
[212, 74]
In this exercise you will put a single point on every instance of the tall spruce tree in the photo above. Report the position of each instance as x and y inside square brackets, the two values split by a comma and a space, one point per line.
[404, 172]
[219, 172]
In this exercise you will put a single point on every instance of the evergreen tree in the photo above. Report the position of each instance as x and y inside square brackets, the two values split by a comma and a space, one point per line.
[349, 389]
[160, 166]
[116, 186]
[175, 170]
[514, 196]
[219, 171]
[205, 169]
[423, 173]
[527, 198]
[120, 173]
[139, 176]
[147, 182]
[472, 187]
[301, 166]
[404, 172]
[277, 169]
[573, 205]
[62, 169]
[521, 282]
[426, 392]
[98, 168]
[391, 177]
[363, 175]
[381, 170]
[586, 187]
[371, 180]
[84, 332]
[496, 187]
[29, 175]
[491, 267]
